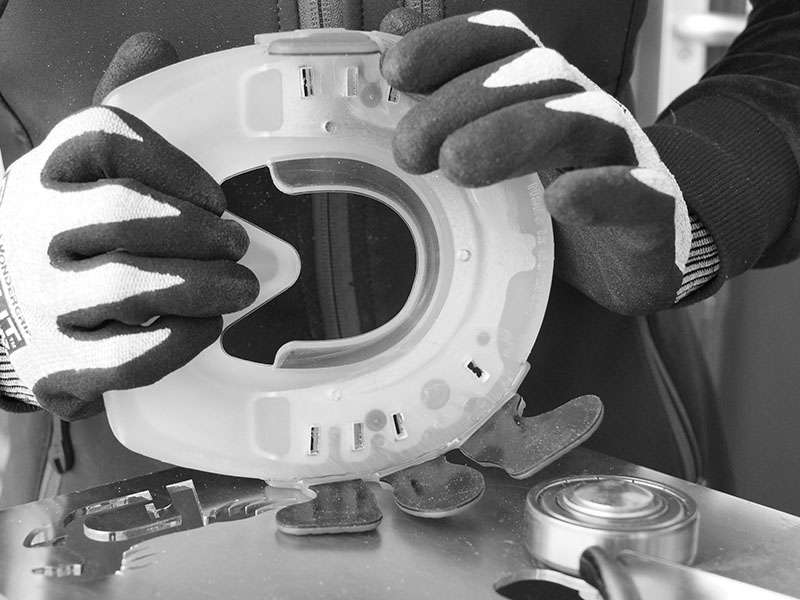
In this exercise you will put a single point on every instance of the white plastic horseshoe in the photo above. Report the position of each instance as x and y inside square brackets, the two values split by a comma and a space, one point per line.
[312, 106]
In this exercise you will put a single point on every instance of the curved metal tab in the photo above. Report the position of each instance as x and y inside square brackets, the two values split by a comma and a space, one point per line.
[436, 488]
[340, 507]
[522, 446]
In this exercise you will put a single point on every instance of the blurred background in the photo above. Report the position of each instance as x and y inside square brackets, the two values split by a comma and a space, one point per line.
[750, 331]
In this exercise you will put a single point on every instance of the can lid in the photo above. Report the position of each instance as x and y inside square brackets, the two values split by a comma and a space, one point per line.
[567, 515]
[612, 503]
[613, 499]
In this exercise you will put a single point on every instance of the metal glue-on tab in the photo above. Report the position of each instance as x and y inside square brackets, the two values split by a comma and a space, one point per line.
[567, 515]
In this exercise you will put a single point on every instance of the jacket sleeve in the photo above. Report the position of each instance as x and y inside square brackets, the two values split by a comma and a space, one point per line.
[733, 143]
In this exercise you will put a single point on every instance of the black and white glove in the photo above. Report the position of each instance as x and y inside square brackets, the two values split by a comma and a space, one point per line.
[103, 227]
[498, 105]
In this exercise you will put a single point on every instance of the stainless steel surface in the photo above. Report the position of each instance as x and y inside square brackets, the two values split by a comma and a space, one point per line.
[568, 514]
[667, 581]
[237, 553]
[652, 579]
[586, 591]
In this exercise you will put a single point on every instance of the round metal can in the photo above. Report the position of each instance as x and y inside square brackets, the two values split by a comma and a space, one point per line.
[567, 515]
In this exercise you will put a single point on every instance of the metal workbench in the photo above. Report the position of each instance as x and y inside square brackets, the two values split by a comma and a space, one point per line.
[227, 546]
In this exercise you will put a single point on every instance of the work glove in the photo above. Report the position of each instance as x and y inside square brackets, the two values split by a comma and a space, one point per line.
[103, 227]
[497, 105]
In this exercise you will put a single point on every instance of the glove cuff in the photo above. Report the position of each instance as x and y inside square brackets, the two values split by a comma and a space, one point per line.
[703, 263]
[14, 395]
[739, 196]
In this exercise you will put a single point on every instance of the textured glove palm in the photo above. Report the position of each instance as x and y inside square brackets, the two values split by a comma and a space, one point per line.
[500, 105]
[104, 226]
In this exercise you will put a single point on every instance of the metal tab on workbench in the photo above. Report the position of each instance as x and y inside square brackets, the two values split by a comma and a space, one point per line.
[436, 488]
[339, 507]
[524, 445]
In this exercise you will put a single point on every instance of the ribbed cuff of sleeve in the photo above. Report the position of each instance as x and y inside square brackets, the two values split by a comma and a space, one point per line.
[739, 194]
[16, 406]
[703, 263]
[14, 395]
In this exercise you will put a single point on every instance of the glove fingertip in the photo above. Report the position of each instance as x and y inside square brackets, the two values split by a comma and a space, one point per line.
[616, 196]
[471, 157]
[402, 20]
[238, 240]
[140, 54]
[395, 70]
[243, 288]
[208, 194]
[460, 169]
[597, 196]
[411, 153]
[566, 206]
[407, 65]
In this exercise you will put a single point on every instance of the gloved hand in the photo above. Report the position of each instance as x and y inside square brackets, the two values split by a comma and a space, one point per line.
[500, 105]
[104, 226]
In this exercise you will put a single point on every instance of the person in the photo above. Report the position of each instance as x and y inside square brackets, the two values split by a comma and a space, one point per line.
[104, 225]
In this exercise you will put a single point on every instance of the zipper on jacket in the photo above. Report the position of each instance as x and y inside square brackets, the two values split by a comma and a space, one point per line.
[433, 9]
[313, 14]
